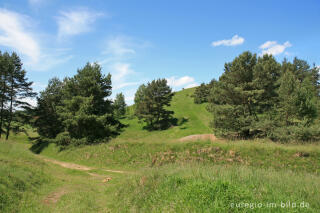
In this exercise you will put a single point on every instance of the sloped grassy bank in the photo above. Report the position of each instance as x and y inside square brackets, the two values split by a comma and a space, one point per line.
[199, 188]
[131, 156]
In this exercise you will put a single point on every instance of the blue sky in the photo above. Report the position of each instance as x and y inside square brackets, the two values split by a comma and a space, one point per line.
[186, 42]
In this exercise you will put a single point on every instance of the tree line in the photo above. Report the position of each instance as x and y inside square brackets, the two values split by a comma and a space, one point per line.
[78, 110]
[15, 88]
[256, 96]
[260, 97]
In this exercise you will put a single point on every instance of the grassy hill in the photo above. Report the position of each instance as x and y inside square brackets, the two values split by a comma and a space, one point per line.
[194, 117]
[161, 174]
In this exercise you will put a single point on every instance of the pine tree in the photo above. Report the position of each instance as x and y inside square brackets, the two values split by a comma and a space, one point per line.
[47, 120]
[151, 102]
[287, 97]
[19, 88]
[259, 97]
[120, 105]
[4, 71]
[265, 81]
[201, 94]
[234, 97]
[86, 112]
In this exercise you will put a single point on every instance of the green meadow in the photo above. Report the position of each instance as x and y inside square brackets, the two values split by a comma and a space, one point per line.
[143, 171]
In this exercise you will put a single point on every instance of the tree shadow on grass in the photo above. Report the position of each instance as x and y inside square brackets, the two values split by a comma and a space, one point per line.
[39, 145]
[168, 123]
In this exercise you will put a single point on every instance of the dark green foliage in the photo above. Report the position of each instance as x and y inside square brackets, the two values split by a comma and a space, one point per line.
[119, 105]
[79, 107]
[47, 121]
[265, 75]
[4, 71]
[201, 94]
[151, 102]
[258, 97]
[140, 93]
[233, 97]
[14, 89]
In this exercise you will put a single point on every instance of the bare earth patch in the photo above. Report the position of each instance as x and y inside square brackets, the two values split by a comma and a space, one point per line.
[68, 165]
[79, 167]
[200, 137]
[54, 197]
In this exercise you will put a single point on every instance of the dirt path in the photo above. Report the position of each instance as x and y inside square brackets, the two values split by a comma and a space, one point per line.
[67, 165]
[77, 166]
[54, 197]
[202, 137]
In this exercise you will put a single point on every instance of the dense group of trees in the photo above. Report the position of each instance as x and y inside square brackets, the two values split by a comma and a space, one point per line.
[14, 91]
[202, 92]
[151, 101]
[259, 97]
[77, 110]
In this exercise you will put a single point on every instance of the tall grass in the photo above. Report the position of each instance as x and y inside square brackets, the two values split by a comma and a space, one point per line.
[197, 188]
[21, 177]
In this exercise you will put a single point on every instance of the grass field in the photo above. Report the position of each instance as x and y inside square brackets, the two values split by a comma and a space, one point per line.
[162, 174]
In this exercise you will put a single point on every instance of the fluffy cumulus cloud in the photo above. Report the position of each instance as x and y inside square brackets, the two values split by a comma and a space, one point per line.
[273, 48]
[14, 34]
[75, 22]
[235, 40]
[185, 82]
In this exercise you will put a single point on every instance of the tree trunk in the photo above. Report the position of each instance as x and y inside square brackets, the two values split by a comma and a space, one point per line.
[10, 111]
[2, 104]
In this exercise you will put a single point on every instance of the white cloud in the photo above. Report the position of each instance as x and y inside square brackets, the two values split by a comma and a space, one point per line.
[31, 101]
[178, 83]
[120, 71]
[191, 85]
[119, 46]
[118, 52]
[235, 40]
[273, 48]
[13, 34]
[125, 84]
[268, 44]
[76, 22]
[117, 55]
[16, 33]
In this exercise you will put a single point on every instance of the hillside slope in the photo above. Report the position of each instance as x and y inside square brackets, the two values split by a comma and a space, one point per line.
[194, 117]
